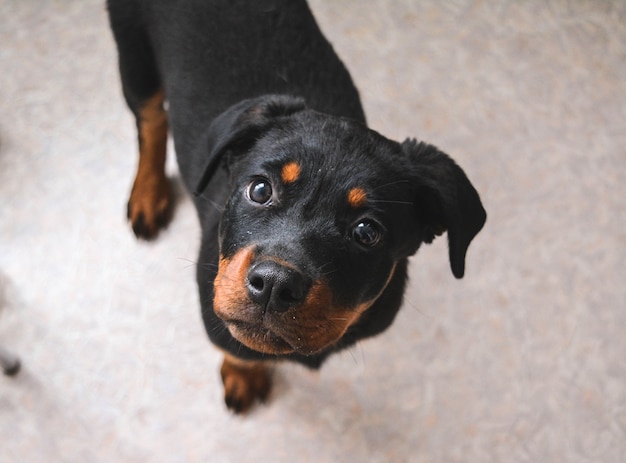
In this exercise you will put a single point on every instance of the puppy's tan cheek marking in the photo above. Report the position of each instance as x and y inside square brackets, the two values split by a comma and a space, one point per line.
[355, 313]
[290, 172]
[319, 303]
[229, 283]
[357, 197]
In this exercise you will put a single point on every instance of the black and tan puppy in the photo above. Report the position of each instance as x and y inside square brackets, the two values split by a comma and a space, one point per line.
[308, 217]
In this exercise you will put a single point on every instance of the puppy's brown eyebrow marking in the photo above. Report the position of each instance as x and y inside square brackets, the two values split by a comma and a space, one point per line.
[290, 172]
[357, 197]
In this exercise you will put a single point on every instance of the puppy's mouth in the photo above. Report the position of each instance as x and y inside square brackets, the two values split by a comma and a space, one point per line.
[259, 338]
[304, 321]
[292, 332]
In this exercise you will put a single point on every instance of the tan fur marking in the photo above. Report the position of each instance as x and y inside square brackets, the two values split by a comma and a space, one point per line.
[290, 172]
[342, 319]
[244, 381]
[229, 284]
[357, 197]
[150, 199]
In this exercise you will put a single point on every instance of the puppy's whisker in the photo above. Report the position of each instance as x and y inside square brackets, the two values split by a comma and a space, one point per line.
[211, 267]
[349, 349]
[326, 273]
[389, 184]
[390, 201]
[217, 206]
[206, 265]
[214, 268]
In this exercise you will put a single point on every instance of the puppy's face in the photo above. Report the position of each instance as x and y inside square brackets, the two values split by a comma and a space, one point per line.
[311, 234]
[320, 212]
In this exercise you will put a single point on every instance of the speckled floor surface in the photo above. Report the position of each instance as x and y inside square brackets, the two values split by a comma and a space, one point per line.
[524, 360]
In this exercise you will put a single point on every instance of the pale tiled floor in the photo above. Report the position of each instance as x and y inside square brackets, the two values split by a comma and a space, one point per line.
[524, 360]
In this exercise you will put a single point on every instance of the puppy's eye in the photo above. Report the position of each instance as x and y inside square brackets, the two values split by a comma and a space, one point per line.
[367, 233]
[260, 191]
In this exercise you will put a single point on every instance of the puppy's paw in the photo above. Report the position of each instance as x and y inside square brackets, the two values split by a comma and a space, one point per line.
[149, 206]
[244, 382]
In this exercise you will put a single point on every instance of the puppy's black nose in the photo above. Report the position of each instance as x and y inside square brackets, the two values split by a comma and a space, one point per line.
[276, 287]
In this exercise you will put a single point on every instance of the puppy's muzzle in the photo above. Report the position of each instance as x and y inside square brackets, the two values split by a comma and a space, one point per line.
[271, 306]
[276, 287]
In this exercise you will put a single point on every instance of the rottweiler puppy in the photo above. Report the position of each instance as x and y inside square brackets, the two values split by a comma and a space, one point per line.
[308, 216]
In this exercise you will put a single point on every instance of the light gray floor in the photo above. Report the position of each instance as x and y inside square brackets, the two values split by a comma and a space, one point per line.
[524, 360]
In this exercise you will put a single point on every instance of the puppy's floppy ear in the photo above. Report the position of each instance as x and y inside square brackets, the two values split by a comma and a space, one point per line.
[446, 200]
[241, 125]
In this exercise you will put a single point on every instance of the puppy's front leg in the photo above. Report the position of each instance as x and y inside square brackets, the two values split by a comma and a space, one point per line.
[244, 381]
[150, 203]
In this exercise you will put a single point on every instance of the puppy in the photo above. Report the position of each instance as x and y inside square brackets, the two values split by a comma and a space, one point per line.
[308, 217]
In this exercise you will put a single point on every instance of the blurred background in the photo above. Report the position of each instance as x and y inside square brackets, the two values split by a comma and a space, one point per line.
[524, 360]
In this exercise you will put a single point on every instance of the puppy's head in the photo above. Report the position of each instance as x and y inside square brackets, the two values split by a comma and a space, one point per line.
[321, 210]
